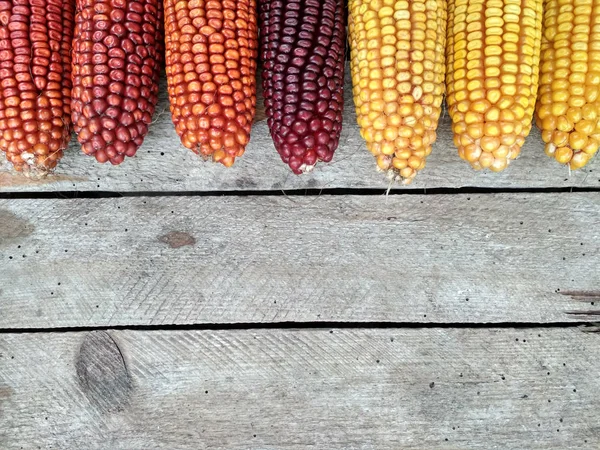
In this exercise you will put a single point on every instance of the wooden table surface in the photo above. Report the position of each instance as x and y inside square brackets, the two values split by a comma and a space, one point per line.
[175, 304]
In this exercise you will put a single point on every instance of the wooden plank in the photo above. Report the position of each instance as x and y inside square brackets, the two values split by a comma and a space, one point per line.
[404, 258]
[297, 389]
[163, 164]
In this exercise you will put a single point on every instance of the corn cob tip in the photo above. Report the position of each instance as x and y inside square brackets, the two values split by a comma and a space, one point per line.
[488, 152]
[33, 166]
[29, 166]
[394, 176]
[565, 155]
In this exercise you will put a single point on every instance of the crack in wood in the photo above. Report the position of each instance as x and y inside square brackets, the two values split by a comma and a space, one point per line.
[582, 295]
[588, 312]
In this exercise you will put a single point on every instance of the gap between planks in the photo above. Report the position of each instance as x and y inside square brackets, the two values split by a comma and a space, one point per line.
[592, 326]
[294, 193]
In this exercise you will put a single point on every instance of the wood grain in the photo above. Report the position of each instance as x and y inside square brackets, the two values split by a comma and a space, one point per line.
[404, 258]
[162, 164]
[311, 388]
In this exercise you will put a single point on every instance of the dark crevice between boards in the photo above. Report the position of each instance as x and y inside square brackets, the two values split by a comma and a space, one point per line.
[589, 326]
[312, 192]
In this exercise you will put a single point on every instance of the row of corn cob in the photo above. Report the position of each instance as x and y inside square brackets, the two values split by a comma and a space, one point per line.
[484, 54]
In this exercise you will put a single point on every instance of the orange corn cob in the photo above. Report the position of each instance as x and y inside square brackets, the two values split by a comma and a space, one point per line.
[211, 50]
[35, 82]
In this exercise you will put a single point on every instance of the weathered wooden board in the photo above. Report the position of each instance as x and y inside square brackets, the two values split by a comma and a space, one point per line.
[404, 258]
[298, 389]
[162, 164]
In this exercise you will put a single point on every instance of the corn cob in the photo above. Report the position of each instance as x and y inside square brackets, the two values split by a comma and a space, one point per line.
[568, 110]
[115, 75]
[211, 50]
[397, 63]
[35, 82]
[303, 49]
[493, 56]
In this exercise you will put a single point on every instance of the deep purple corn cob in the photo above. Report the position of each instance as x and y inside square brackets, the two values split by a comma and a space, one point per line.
[116, 67]
[303, 46]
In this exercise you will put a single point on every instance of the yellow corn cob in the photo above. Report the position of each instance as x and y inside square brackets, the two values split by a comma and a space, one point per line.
[492, 58]
[397, 63]
[568, 110]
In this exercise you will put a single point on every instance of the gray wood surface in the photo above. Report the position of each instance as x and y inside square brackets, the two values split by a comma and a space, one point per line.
[298, 389]
[402, 258]
[162, 164]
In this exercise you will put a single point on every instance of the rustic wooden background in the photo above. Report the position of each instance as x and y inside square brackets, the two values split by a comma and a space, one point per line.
[175, 304]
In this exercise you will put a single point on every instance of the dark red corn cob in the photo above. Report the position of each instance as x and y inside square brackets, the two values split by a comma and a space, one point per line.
[115, 75]
[35, 82]
[303, 45]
